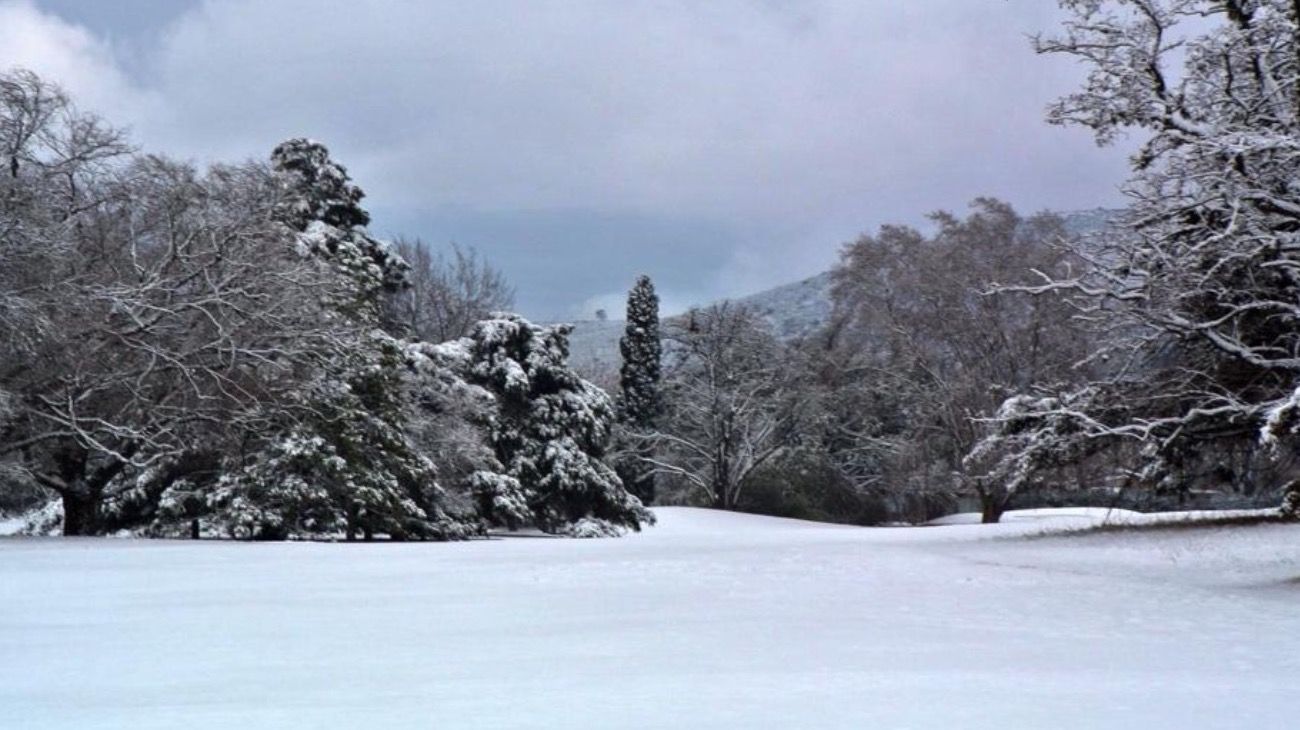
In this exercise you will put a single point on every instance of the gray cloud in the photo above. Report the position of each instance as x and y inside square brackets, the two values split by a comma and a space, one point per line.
[722, 146]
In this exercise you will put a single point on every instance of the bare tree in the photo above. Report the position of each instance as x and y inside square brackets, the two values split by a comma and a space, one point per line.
[54, 160]
[151, 310]
[178, 316]
[728, 410]
[925, 352]
[448, 293]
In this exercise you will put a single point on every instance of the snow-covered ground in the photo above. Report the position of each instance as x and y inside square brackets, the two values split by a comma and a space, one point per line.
[710, 620]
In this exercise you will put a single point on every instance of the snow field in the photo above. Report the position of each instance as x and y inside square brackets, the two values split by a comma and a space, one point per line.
[710, 620]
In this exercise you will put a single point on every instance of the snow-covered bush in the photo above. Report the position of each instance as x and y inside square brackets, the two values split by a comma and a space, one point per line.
[1291, 501]
[549, 430]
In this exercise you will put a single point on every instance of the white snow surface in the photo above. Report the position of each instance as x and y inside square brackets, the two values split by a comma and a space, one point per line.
[1056, 518]
[709, 620]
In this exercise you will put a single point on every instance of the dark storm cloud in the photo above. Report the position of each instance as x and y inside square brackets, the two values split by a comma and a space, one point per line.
[720, 146]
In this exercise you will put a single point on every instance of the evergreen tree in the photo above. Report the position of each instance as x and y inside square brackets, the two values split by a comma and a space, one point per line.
[342, 460]
[639, 376]
[322, 207]
[550, 431]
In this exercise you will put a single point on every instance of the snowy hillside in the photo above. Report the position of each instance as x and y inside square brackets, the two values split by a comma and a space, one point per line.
[795, 310]
[593, 344]
[710, 620]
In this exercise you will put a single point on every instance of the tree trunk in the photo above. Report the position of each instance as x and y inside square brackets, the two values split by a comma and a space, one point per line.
[80, 513]
[351, 531]
[991, 507]
[720, 496]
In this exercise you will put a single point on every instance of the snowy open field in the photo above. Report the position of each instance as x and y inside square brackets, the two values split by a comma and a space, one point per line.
[711, 620]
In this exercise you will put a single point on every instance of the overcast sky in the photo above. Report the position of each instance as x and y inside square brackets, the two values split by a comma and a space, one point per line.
[721, 147]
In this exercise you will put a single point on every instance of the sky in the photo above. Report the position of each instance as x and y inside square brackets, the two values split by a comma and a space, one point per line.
[721, 147]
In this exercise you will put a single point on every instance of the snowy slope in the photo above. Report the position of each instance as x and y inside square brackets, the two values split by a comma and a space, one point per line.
[794, 310]
[711, 620]
[593, 344]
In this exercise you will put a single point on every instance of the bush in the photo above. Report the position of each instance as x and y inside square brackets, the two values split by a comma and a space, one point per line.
[806, 488]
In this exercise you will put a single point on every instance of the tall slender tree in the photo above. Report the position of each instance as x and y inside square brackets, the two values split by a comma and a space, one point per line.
[639, 376]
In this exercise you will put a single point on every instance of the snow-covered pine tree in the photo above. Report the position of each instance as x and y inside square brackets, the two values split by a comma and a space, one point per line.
[323, 207]
[1291, 502]
[342, 460]
[550, 432]
[639, 401]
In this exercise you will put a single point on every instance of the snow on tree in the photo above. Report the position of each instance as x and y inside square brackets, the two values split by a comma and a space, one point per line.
[1197, 290]
[549, 430]
[731, 406]
[343, 460]
[350, 467]
[1291, 501]
[1031, 435]
[640, 402]
[158, 308]
[918, 353]
[324, 207]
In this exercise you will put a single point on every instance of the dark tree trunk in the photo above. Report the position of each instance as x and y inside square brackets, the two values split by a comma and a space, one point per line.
[80, 513]
[991, 508]
[82, 490]
[194, 529]
[352, 522]
[720, 500]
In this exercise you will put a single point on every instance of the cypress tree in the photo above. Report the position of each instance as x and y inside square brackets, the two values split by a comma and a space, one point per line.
[639, 376]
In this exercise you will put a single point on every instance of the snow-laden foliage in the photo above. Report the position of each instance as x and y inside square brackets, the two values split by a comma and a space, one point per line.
[549, 430]
[158, 307]
[1291, 501]
[1195, 293]
[640, 402]
[323, 206]
[1031, 435]
[350, 467]
[642, 351]
[188, 351]
[344, 461]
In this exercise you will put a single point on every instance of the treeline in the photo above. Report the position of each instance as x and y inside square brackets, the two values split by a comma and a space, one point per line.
[952, 375]
[229, 352]
[870, 419]
[1157, 361]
